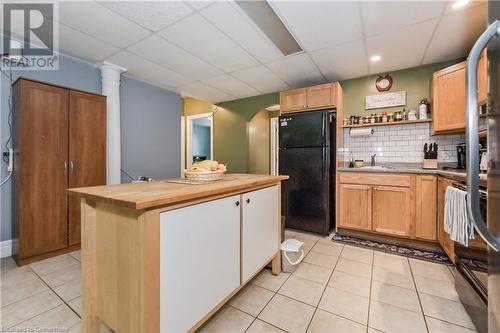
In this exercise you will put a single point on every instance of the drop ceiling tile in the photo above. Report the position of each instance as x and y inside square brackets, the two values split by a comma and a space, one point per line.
[320, 24]
[146, 70]
[469, 5]
[83, 46]
[100, 22]
[152, 15]
[341, 62]
[261, 78]
[199, 37]
[232, 86]
[166, 54]
[401, 48]
[203, 91]
[297, 70]
[383, 16]
[456, 33]
[230, 20]
[199, 4]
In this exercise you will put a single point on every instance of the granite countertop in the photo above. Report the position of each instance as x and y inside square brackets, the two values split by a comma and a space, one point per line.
[410, 168]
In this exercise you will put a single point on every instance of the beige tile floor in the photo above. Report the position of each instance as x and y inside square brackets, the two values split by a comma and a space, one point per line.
[336, 288]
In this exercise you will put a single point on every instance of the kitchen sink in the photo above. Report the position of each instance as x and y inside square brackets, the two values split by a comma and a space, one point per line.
[377, 167]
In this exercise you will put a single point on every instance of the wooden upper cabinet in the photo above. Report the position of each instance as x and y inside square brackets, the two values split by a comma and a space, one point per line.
[448, 95]
[355, 204]
[482, 78]
[312, 98]
[448, 99]
[426, 207]
[392, 210]
[322, 96]
[293, 100]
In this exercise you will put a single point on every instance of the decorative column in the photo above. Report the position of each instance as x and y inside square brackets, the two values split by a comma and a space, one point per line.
[110, 78]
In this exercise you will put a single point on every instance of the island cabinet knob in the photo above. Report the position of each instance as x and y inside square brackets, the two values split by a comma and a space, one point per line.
[237, 203]
[248, 201]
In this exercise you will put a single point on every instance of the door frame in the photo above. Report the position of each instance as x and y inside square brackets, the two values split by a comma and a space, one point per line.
[189, 132]
[274, 146]
[183, 145]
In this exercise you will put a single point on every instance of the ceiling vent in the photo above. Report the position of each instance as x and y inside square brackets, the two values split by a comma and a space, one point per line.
[263, 15]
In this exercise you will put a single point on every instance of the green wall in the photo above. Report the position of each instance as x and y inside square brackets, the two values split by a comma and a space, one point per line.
[231, 120]
[416, 81]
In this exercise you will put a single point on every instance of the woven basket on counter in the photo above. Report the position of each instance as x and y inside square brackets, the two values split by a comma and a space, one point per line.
[204, 176]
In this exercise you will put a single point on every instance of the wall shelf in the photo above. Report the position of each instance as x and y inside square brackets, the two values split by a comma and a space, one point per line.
[403, 122]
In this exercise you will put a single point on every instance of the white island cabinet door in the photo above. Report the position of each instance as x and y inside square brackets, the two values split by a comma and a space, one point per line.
[260, 229]
[199, 260]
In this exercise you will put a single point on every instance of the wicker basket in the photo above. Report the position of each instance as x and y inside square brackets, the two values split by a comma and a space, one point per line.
[204, 176]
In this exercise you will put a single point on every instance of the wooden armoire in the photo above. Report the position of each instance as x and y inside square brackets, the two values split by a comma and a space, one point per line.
[59, 141]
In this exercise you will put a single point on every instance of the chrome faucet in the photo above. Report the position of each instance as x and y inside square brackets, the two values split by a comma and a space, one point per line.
[373, 160]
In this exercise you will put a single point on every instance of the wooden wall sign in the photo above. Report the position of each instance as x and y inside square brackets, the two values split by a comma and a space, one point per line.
[385, 100]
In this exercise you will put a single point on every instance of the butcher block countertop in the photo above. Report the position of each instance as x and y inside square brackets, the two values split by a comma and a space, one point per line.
[148, 195]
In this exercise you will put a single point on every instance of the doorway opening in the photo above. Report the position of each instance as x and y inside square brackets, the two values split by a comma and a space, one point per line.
[199, 138]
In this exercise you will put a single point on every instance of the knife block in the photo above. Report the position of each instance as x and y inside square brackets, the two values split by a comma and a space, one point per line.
[430, 163]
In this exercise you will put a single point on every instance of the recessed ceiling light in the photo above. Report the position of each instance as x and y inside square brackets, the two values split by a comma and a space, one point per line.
[375, 58]
[460, 3]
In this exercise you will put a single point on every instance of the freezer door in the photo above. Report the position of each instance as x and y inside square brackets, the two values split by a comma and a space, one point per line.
[309, 129]
[306, 199]
[494, 171]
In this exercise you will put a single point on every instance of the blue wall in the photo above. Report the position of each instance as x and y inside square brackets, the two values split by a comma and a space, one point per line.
[151, 123]
[150, 131]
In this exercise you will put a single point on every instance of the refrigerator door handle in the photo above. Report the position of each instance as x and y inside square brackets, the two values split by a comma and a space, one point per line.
[472, 137]
[323, 156]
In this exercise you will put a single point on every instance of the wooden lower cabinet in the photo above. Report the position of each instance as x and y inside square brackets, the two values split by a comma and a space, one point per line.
[392, 210]
[426, 207]
[401, 205]
[355, 206]
[444, 239]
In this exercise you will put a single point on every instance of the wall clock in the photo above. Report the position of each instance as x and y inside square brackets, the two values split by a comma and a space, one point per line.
[383, 83]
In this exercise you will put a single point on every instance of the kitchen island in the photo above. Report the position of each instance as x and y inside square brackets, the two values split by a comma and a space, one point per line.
[166, 255]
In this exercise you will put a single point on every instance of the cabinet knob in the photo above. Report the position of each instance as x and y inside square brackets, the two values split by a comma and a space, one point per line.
[237, 203]
[248, 201]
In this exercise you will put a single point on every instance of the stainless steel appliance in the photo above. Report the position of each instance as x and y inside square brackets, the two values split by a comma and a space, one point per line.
[489, 229]
[307, 155]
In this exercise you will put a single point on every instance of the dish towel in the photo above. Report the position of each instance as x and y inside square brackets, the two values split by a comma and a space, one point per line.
[456, 220]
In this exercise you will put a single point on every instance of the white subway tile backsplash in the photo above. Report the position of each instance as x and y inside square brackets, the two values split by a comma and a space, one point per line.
[400, 143]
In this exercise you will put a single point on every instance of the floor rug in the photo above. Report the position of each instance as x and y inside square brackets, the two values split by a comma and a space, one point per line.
[406, 251]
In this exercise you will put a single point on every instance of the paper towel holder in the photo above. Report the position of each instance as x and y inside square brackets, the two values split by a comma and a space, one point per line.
[361, 131]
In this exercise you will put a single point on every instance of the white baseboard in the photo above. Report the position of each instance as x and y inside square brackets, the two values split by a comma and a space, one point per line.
[6, 248]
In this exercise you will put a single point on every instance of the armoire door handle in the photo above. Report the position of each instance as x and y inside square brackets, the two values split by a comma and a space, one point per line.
[71, 167]
[65, 167]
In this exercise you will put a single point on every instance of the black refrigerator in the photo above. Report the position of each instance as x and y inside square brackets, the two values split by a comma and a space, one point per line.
[307, 155]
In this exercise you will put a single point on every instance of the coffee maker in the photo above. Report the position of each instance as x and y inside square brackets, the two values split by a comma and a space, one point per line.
[461, 159]
[461, 156]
